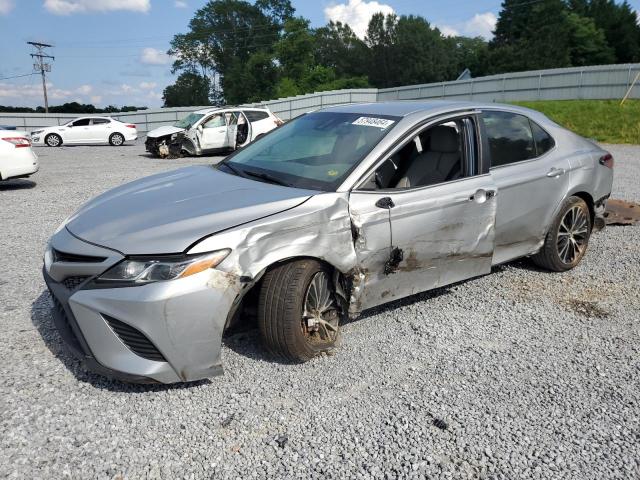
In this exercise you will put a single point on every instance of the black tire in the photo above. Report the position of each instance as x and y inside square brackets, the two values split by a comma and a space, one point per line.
[281, 306]
[53, 140]
[564, 247]
[116, 139]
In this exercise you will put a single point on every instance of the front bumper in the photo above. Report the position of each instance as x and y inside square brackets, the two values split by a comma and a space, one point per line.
[162, 332]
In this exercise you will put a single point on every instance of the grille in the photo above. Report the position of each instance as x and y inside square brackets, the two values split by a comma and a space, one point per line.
[135, 340]
[59, 256]
[71, 283]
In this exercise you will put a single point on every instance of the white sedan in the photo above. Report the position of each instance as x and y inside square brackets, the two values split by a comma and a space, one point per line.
[17, 160]
[86, 131]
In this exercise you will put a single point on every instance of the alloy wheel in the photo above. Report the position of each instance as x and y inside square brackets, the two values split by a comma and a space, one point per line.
[320, 318]
[573, 235]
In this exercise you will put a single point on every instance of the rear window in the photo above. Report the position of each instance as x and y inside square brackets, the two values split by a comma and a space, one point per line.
[544, 141]
[255, 115]
[510, 137]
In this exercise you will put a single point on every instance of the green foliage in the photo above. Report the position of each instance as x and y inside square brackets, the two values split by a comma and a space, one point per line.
[72, 107]
[190, 89]
[256, 51]
[602, 120]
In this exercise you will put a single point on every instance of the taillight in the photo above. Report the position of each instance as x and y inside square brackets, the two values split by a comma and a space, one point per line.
[131, 126]
[19, 142]
[607, 160]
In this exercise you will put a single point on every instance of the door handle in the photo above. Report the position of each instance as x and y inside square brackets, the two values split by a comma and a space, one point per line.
[483, 195]
[385, 202]
[555, 172]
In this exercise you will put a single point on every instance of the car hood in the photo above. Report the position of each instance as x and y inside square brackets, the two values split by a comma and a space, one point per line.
[168, 212]
[162, 131]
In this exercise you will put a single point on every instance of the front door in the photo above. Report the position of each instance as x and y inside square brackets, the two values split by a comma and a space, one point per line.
[440, 211]
[78, 131]
[214, 133]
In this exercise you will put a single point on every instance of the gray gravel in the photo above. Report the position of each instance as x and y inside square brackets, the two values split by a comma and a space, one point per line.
[527, 374]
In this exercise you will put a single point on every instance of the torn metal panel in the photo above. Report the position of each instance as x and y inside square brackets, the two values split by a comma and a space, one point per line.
[621, 212]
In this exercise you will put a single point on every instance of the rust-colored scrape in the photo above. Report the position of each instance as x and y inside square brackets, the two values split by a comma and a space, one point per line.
[620, 212]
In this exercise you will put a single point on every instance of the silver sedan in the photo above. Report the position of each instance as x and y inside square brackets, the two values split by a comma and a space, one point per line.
[333, 213]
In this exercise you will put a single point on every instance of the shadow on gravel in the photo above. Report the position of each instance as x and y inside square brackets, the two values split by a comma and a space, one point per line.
[17, 185]
[249, 344]
[43, 321]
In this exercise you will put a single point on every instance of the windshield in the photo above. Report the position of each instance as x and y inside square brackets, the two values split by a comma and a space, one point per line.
[188, 121]
[316, 151]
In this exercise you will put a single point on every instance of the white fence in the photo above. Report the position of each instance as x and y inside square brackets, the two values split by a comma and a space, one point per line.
[599, 82]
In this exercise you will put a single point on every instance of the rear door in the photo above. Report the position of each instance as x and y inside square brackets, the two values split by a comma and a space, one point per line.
[441, 227]
[531, 176]
[100, 129]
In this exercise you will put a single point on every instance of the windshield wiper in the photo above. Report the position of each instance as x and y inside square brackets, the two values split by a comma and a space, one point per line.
[265, 176]
[235, 170]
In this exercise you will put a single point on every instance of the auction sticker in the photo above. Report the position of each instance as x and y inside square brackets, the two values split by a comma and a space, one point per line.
[374, 122]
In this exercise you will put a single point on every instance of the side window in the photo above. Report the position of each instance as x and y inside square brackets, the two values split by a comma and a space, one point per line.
[544, 141]
[510, 137]
[438, 154]
[216, 121]
[255, 115]
[82, 122]
[100, 121]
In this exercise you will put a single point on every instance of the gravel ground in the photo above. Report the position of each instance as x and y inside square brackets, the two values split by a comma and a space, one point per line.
[518, 374]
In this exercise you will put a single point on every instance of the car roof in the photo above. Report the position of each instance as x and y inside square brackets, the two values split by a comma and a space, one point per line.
[403, 108]
[206, 111]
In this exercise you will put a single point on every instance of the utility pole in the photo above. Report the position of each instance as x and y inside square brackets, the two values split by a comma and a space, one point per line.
[42, 67]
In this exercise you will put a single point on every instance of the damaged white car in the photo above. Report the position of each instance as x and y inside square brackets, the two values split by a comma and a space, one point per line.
[210, 131]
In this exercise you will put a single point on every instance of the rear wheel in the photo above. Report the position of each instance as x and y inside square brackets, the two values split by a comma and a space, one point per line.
[53, 140]
[298, 313]
[116, 139]
[568, 238]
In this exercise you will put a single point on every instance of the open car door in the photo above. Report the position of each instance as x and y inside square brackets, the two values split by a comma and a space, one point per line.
[232, 129]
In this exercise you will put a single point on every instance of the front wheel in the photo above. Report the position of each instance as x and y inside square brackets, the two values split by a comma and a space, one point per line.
[116, 139]
[53, 140]
[298, 313]
[568, 238]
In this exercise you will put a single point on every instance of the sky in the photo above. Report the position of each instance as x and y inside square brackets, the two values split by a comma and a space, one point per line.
[113, 52]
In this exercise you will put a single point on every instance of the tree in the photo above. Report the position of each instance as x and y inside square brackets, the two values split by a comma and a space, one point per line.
[620, 26]
[190, 89]
[587, 44]
[224, 35]
[470, 53]
[338, 47]
[531, 36]
[379, 39]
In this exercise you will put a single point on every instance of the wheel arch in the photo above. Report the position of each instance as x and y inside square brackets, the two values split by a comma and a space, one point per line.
[247, 299]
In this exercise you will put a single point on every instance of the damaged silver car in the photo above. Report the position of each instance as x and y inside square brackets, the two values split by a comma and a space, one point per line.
[211, 130]
[333, 213]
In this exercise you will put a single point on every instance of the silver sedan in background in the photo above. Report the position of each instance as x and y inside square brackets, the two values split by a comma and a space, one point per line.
[333, 213]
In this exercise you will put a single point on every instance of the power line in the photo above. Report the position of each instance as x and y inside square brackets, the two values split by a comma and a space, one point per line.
[43, 67]
[18, 76]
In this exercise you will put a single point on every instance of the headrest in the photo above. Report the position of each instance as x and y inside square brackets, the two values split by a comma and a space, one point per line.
[444, 139]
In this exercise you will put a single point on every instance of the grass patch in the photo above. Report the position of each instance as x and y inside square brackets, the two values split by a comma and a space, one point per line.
[603, 120]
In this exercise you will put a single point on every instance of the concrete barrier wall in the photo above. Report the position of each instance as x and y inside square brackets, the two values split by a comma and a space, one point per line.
[598, 82]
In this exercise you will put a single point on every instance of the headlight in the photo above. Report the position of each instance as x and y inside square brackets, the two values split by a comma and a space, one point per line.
[36, 132]
[139, 271]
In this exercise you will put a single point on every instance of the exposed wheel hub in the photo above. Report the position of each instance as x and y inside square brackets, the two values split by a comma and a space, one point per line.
[320, 316]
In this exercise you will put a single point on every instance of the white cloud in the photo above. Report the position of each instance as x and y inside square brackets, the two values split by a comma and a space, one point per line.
[481, 25]
[356, 14]
[67, 7]
[153, 56]
[148, 85]
[96, 99]
[6, 6]
[180, 4]
[84, 89]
